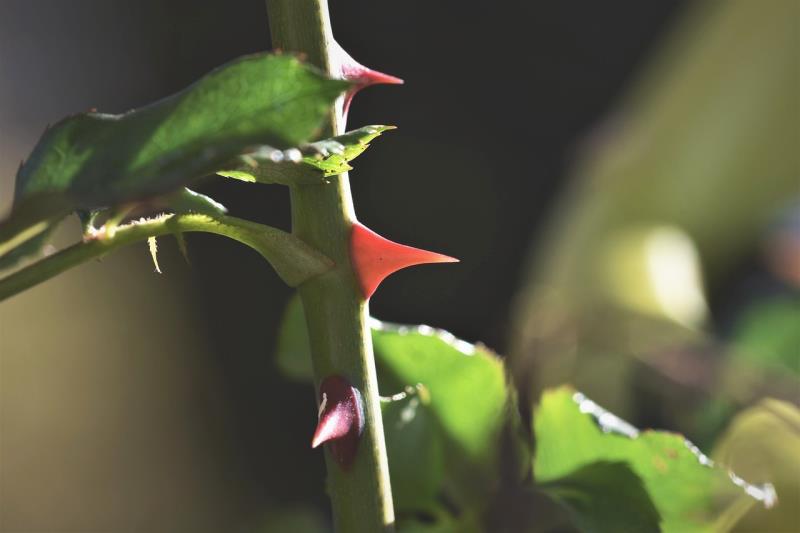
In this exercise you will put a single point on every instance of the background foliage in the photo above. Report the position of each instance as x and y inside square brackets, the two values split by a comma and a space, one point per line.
[164, 383]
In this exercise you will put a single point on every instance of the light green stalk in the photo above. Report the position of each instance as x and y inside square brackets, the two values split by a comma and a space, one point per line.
[336, 313]
[294, 261]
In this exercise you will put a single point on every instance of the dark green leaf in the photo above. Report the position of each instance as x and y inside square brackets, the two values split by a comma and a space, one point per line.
[414, 446]
[99, 160]
[690, 492]
[606, 497]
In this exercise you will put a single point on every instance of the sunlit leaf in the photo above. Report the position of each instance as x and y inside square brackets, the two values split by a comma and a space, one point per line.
[690, 491]
[466, 382]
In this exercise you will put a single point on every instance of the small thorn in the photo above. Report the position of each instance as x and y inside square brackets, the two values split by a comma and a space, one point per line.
[341, 419]
[153, 246]
[335, 423]
[375, 257]
[365, 77]
[360, 75]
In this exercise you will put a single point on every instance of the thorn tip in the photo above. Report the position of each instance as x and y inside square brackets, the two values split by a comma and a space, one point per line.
[341, 419]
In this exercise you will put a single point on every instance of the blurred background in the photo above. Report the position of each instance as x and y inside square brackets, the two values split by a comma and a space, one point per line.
[621, 181]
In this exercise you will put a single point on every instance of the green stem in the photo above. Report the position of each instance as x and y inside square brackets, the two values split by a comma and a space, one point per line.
[336, 313]
[294, 261]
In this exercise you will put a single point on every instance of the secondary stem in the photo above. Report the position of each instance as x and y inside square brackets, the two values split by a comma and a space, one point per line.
[336, 312]
[293, 260]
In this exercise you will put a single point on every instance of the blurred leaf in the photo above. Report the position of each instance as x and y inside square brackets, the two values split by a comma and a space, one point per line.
[298, 519]
[763, 444]
[769, 335]
[470, 402]
[97, 160]
[313, 163]
[466, 382]
[605, 497]
[705, 143]
[441, 521]
[655, 270]
[689, 491]
[293, 350]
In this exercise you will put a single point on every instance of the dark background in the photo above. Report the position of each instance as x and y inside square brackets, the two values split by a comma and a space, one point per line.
[498, 97]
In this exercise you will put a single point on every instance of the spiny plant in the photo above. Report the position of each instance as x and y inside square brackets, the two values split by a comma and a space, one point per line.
[435, 451]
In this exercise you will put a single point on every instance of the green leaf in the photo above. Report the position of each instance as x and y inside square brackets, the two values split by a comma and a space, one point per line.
[690, 492]
[466, 382]
[314, 162]
[98, 160]
[605, 497]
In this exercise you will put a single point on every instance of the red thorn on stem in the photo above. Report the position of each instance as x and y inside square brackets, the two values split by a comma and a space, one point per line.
[361, 76]
[341, 419]
[375, 257]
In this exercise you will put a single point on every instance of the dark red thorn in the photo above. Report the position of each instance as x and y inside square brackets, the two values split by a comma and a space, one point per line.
[361, 76]
[341, 419]
[375, 257]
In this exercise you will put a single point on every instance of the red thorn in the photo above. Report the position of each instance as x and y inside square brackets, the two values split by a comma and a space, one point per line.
[341, 419]
[364, 77]
[352, 70]
[375, 257]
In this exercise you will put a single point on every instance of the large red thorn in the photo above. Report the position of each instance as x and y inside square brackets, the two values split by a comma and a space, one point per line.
[361, 76]
[375, 257]
[341, 419]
